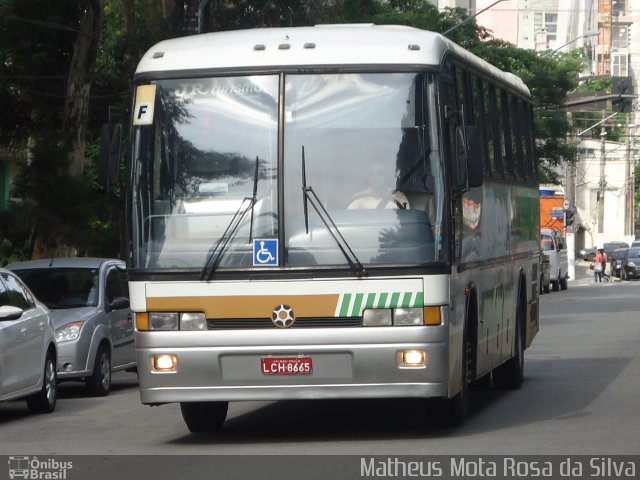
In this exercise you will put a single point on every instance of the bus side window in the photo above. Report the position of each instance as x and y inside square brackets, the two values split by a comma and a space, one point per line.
[493, 131]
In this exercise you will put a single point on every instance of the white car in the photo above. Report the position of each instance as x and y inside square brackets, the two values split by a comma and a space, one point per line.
[28, 351]
[554, 247]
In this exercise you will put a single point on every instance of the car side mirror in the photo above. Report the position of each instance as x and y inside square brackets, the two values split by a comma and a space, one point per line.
[9, 312]
[119, 303]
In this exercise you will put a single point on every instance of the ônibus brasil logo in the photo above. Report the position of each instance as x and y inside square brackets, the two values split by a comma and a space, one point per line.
[38, 469]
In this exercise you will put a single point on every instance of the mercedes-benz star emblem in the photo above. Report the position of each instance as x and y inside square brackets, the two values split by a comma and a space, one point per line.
[282, 316]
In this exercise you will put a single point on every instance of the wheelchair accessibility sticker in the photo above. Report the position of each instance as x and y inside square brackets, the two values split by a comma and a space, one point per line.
[265, 252]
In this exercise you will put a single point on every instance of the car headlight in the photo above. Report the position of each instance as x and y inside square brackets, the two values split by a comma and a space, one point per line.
[631, 264]
[68, 332]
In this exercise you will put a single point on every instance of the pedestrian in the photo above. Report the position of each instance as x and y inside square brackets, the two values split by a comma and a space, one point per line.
[599, 266]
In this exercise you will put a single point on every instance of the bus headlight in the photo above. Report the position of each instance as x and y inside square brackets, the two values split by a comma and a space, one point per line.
[163, 321]
[164, 362]
[379, 317]
[412, 359]
[408, 316]
[376, 317]
[193, 321]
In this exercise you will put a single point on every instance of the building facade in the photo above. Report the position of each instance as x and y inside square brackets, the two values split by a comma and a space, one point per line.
[601, 186]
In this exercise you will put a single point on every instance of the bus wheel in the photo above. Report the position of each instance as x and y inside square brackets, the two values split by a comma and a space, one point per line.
[204, 417]
[510, 374]
[452, 412]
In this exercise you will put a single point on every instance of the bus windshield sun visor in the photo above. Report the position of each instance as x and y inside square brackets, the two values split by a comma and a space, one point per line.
[215, 252]
[310, 196]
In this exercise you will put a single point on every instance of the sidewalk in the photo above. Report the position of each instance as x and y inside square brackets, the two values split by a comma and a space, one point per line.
[584, 275]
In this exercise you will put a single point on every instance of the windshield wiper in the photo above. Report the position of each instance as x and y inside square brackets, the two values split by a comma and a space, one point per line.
[310, 196]
[215, 253]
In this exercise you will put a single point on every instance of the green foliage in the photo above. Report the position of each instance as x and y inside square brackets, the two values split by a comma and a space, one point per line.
[36, 41]
[58, 209]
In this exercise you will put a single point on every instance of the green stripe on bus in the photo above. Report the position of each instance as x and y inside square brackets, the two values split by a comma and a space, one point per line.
[371, 300]
[356, 305]
[406, 300]
[368, 300]
[344, 308]
[395, 297]
[382, 301]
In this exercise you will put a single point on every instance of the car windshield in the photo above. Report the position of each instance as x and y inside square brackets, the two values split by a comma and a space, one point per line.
[546, 243]
[633, 252]
[60, 288]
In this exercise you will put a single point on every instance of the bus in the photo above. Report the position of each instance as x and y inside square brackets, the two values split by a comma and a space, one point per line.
[329, 212]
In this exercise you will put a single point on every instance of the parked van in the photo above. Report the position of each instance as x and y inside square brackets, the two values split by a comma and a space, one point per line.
[553, 245]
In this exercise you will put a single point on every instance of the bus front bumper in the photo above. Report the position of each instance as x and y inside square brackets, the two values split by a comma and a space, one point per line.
[211, 368]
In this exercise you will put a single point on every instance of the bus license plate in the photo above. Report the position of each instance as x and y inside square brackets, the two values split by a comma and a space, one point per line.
[286, 365]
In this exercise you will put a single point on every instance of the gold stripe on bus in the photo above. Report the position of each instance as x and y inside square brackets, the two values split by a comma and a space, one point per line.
[249, 306]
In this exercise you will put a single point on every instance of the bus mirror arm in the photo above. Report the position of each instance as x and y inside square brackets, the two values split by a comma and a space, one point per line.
[468, 158]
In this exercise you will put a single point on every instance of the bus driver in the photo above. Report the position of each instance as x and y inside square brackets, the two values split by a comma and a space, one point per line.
[378, 194]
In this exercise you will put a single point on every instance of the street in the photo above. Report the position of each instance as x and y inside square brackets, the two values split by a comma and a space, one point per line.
[580, 396]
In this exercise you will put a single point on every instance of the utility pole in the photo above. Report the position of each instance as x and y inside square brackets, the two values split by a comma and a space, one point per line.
[569, 230]
[628, 204]
[601, 188]
[570, 203]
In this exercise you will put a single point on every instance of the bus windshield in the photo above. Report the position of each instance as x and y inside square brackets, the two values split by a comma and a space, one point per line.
[220, 169]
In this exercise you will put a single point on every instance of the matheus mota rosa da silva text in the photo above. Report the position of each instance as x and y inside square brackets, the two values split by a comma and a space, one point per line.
[601, 467]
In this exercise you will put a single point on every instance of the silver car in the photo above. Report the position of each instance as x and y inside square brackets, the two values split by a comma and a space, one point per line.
[89, 301]
[27, 347]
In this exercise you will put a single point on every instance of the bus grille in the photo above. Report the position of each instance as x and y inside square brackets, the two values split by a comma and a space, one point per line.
[308, 322]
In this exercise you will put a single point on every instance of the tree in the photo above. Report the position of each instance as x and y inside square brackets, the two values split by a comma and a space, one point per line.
[67, 65]
[79, 81]
[58, 79]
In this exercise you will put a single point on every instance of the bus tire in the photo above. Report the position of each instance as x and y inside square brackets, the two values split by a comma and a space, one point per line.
[204, 417]
[457, 407]
[510, 374]
[452, 412]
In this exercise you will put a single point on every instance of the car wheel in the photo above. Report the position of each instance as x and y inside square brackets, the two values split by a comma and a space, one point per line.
[99, 383]
[591, 257]
[547, 288]
[555, 285]
[204, 417]
[563, 283]
[45, 400]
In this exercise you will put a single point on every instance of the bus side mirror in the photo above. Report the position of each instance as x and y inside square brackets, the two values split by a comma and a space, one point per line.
[109, 156]
[468, 168]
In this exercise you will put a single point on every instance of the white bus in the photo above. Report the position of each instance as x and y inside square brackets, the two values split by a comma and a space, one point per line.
[329, 212]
